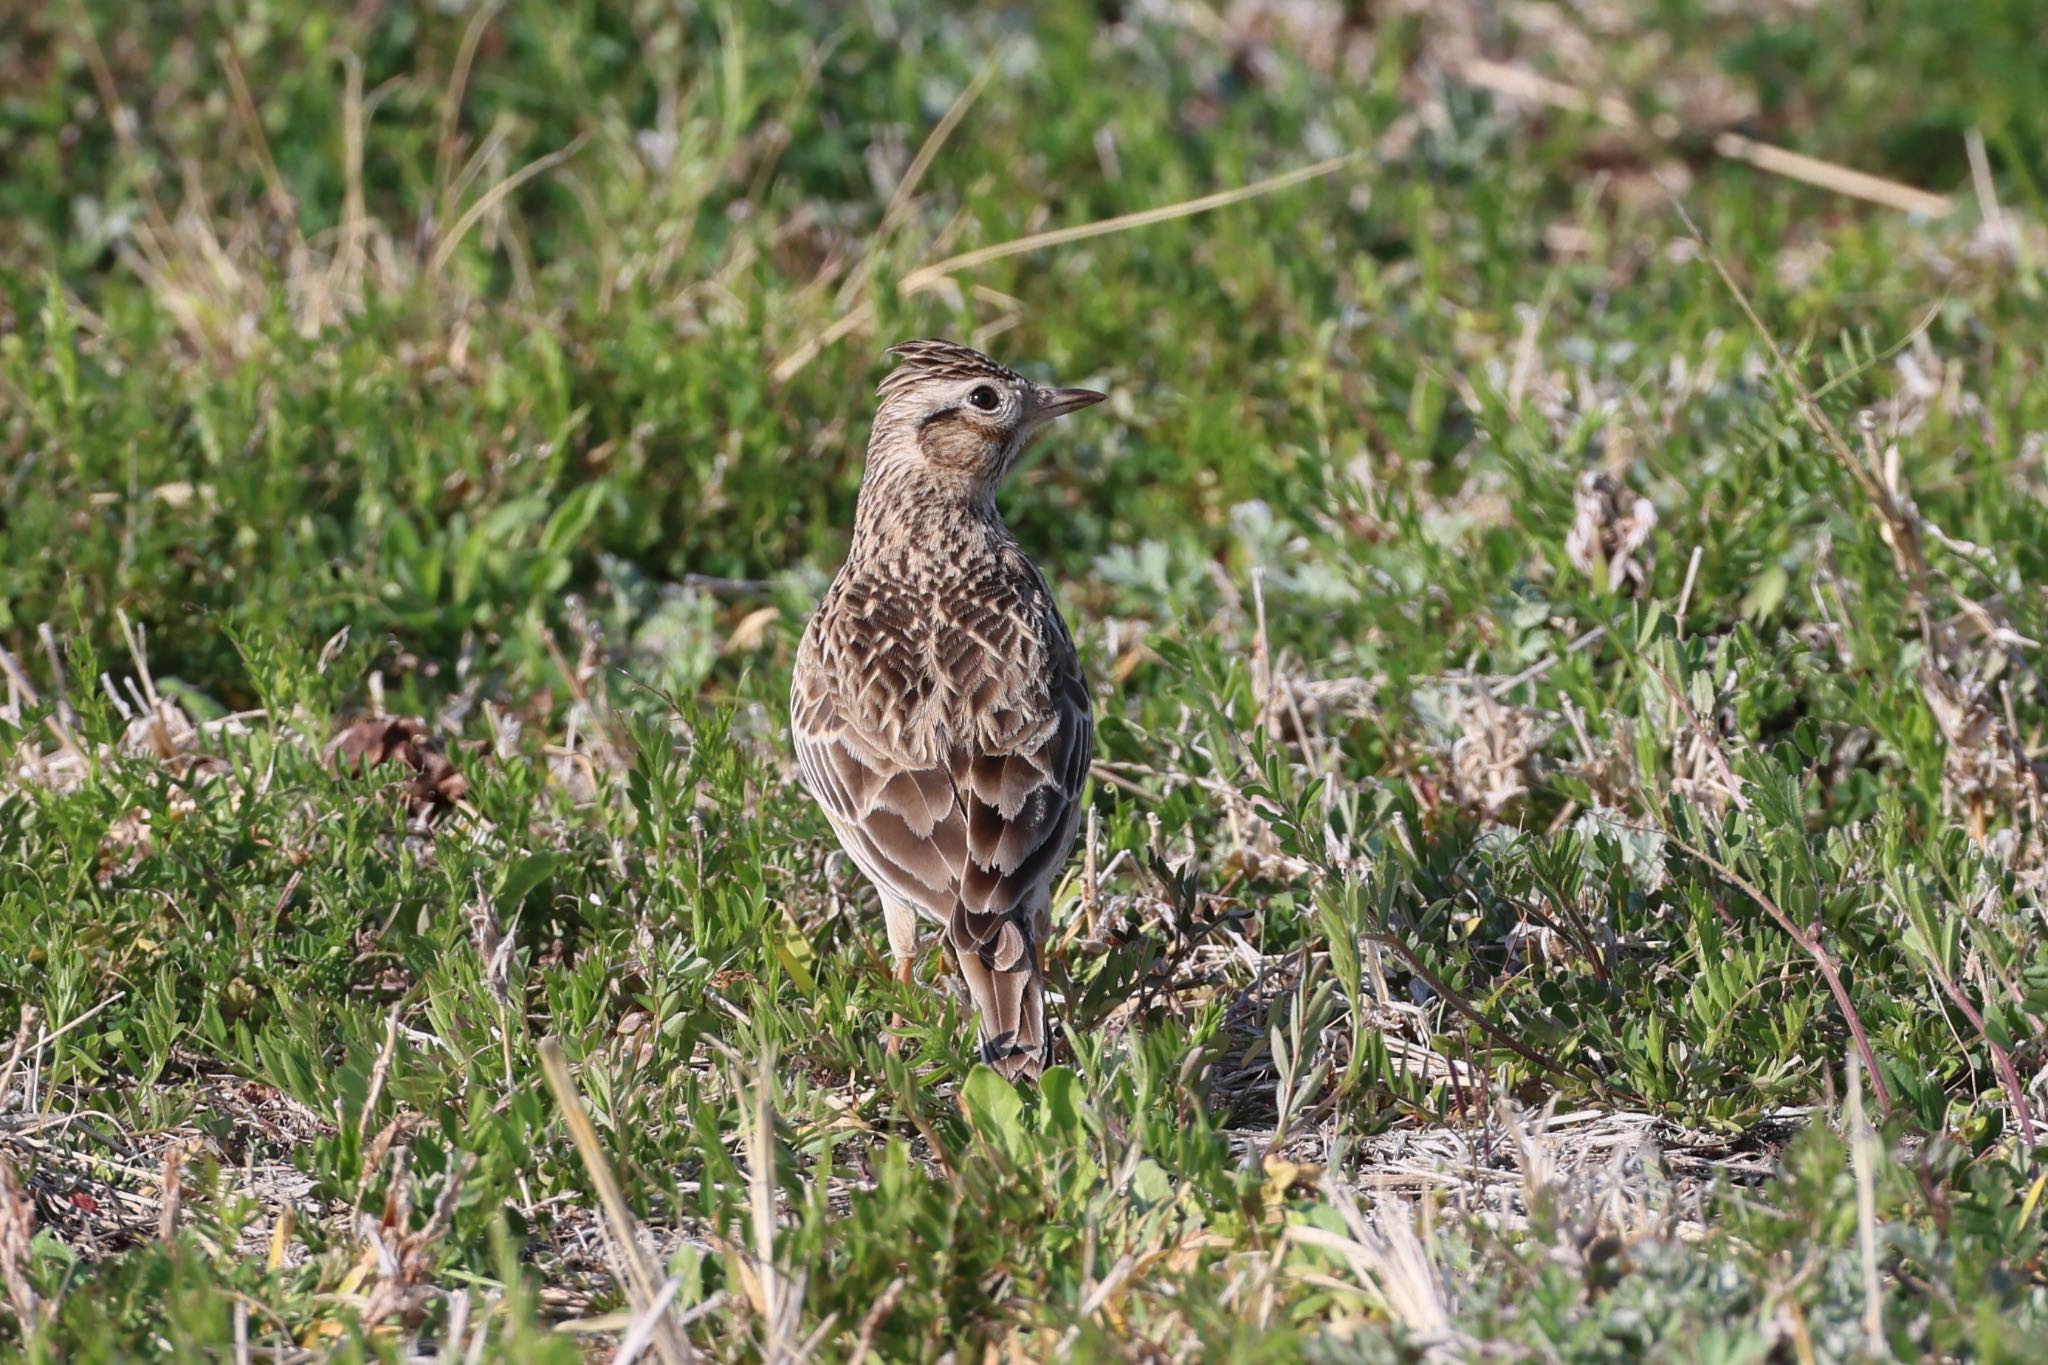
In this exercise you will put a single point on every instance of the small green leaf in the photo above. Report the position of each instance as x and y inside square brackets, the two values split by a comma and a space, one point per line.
[1150, 1183]
[1060, 1111]
[1766, 593]
[993, 1106]
[524, 875]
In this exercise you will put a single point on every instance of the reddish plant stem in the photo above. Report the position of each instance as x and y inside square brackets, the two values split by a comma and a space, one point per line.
[1818, 951]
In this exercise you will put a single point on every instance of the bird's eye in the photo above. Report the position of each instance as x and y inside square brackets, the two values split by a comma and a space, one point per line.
[984, 398]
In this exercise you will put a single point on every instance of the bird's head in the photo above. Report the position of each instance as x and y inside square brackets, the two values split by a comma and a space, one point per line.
[961, 414]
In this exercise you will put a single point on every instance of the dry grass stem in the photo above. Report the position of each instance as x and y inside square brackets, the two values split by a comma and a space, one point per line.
[930, 276]
[1520, 83]
[636, 1274]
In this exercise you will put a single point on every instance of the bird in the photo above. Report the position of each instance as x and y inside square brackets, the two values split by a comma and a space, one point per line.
[938, 710]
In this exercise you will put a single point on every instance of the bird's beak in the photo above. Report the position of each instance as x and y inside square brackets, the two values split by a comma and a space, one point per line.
[1051, 403]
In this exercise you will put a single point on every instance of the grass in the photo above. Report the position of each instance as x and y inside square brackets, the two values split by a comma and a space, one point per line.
[1565, 866]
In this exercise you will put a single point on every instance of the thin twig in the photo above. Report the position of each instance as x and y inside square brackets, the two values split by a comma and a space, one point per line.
[60, 693]
[1730, 783]
[1543, 665]
[883, 1306]
[1810, 942]
[378, 1074]
[344, 271]
[2001, 1060]
[1462, 1006]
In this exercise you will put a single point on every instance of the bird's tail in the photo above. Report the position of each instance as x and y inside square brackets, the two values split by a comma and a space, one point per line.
[1009, 993]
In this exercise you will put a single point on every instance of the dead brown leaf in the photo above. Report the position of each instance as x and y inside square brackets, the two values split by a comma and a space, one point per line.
[435, 784]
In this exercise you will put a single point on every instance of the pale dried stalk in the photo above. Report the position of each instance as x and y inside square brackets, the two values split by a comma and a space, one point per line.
[931, 276]
[1518, 83]
[630, 1260]
[1863, 1154]
[492, 197]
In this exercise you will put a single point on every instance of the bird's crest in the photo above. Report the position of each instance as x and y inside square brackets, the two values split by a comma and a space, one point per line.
[931, 358]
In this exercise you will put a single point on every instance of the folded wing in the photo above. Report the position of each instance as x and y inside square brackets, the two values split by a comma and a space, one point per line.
[971, 841]
[967, 818]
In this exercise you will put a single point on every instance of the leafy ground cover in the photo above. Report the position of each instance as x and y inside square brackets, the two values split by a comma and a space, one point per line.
[1565, 866]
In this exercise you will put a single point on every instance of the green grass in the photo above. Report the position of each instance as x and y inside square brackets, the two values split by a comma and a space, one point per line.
[1450, 976]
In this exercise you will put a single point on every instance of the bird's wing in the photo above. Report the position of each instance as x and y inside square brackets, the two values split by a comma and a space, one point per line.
[898, 821]
[1019, 791]
[950, 762]
[969, 837]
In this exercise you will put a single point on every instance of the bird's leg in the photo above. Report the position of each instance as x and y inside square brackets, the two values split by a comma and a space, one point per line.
[897, 1023]
[901, 921]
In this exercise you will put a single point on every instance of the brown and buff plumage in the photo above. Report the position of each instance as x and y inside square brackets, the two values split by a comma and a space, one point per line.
[938, 709]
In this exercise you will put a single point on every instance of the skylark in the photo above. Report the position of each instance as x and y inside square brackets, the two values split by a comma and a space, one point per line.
[938, 709]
